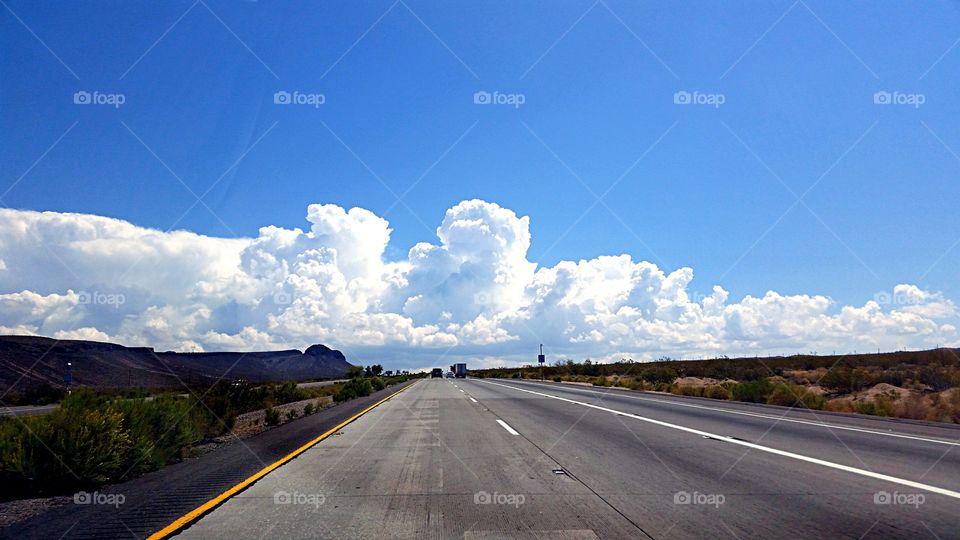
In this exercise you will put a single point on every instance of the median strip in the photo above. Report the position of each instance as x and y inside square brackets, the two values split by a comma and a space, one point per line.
[195, 514]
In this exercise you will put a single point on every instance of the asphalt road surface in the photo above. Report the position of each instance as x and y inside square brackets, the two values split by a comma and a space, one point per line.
[480, 459]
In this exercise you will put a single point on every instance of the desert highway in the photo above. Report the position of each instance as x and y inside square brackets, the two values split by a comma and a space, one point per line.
[488, 458]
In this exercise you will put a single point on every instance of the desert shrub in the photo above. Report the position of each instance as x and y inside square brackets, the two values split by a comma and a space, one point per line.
[271, 416]
[938, 378]
[879, 406]
[843, 379]
[783, 394]
[679, 390]
[839, 405]
[75, 446]
[795, 396]
[292, 414]
[658, 375]
[716, 392]
[751, 391]
[917, 407]
[160, 429]
[377, 383]
[601, 381]
[308, 409]
[557, 379]
[354, 388]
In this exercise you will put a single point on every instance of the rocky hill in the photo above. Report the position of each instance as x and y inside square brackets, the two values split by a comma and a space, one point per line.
[26, 360]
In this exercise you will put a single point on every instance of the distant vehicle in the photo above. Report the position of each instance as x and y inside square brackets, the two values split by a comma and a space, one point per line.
[437, 373]
[460, 371]
[388, 373]
[450, 375]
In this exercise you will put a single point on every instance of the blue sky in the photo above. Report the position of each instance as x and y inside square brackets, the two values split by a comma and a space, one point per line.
[689, 185]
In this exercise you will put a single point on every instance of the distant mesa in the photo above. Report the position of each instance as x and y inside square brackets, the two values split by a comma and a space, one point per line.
[29, 360]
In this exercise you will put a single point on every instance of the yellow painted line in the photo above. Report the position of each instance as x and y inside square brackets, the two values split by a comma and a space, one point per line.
[206, 507]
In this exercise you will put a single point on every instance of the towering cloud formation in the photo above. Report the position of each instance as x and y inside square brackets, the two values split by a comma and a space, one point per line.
[473, 294]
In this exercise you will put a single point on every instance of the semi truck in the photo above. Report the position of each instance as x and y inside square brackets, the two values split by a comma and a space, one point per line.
[459, 371]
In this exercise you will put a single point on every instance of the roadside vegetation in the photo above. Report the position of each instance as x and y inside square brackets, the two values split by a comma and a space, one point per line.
[95, 438]
[920, 385]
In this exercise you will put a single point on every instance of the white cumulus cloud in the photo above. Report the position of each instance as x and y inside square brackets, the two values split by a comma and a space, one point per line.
[472, 294]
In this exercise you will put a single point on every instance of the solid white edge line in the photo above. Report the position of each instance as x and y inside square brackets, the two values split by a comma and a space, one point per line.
[509, 429]
[830, 464]
[769, 417]
[473, 400]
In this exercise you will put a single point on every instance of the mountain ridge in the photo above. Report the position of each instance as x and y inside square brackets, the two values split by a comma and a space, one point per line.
[33, 360]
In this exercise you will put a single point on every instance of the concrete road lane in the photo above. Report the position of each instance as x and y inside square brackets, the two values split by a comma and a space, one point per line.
[505, 459]
[429, 463]
[678, 484]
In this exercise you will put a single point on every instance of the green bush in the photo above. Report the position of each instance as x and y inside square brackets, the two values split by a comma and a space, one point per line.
[557, 379]
[271, 416]
[751, 391]
[378, 384]
[75, 446]
[795, 396]
[160, 429]
[695, 391]
[716, 392]
[879, 406]
[308, 409]
[658, 375]
[292, 414]
[601, 381]
[354, 388]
